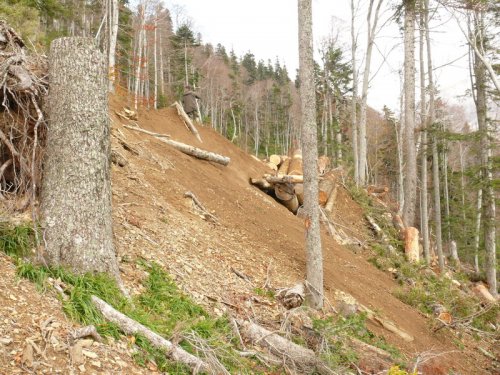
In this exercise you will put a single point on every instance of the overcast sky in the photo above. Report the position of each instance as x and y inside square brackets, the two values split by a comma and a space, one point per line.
[268, 28]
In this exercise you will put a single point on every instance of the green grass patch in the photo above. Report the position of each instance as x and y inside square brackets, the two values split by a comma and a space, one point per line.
[16, 241]
[161, 307]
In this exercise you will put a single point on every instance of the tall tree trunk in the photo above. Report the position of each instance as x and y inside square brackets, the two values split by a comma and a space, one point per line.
[437, 201]
[76, 190]
[364, 92]
[409, 114]
[424, 215]
[155, 53]
[399, 146]
[435, 156]
[354, 101]
[138, 57]
[486, 162]
[310, 154]
[113, 35]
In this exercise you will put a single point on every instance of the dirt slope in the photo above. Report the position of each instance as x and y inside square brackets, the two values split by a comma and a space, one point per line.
[254, 232]
[253, 235]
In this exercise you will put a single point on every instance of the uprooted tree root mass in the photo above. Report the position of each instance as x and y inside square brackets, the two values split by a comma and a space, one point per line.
[23, 87]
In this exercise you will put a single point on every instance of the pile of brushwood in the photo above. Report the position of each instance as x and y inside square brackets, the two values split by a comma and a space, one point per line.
[23, 87]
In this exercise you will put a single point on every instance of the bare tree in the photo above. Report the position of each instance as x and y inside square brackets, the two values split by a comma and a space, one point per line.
[424, 216]
[354, 102]
[409, 114]
[435, 156]
[370, 39]
[113, 36]
[485, 153]
[310, 154]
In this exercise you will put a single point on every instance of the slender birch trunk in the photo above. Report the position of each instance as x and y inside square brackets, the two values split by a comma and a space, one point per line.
[424, 216]
[486, 162]
[354, 101]
[362, 170]
[139, 57]
[409, 114]
[113, 37]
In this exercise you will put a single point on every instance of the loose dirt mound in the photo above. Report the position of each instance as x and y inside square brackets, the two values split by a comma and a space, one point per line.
[255, 235]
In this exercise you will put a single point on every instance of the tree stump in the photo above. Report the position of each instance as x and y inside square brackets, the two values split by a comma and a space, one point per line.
[412, 250]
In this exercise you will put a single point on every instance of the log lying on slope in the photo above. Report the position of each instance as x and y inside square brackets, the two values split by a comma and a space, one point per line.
[187, 149]
[295, 167]
[294, 356]
[131, 327]
[187, 120]
[292, 179]
[197, 152]
[286, 195]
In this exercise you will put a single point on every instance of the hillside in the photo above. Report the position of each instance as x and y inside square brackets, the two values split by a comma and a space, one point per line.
[253, 236]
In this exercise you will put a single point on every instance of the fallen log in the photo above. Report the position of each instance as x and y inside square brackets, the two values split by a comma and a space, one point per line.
[292, 297]
[331, 200]
[299, 192]
[385, 323]
[285, 194]
[295, 167]
[294, 356]
[293, 179]
[273, 166]
[283, 169]
[131, 327]
[197, 152]
[481, 291]
[137, 129]
[275, 159]
[187, 120]
[326, 186]
[261, 184]
[381, 234]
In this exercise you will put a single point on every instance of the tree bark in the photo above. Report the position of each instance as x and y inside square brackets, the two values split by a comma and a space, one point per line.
[76, 189]
[423, 120]
[364, 92]
[409, 114]
[486, 162]
[113, 17]
[435, 156]
[354, 101]
[309, 142]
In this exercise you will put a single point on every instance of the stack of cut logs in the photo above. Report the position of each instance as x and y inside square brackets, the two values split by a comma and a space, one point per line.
[286, 184]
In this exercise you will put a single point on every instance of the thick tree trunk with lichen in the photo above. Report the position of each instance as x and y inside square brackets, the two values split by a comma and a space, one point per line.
[76, 188]
[310, 156]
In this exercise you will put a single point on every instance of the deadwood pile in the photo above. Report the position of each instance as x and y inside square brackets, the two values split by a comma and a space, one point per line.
[286, 182]
[23, 86]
